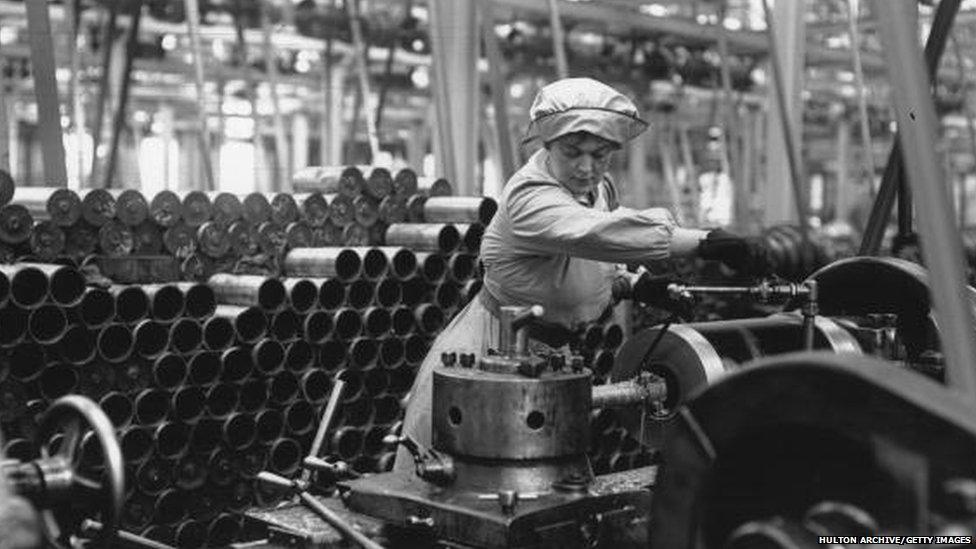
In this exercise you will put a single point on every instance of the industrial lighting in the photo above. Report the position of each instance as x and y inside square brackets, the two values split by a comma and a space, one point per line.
[169, 42]
[517, 89]
[420, 76]
[732, 24]
[8, 35]
[654, 10]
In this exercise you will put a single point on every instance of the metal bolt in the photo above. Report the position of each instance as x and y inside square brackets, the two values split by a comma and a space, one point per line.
[414, 520]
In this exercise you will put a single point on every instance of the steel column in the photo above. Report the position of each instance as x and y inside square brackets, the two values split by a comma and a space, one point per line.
[942, 249]
[46, 92]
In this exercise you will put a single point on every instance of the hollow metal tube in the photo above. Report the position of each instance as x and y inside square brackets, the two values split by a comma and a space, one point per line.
[332, 293]
[137, 444]
[285, 456]
[393, 209]
[317, 327]
[391, 351]
[461, 267]
[15, 224]
[375, 262]
[303, 294]
[154, 476]
[236, 364]
[332, 354]
[172, 440]
[151, 406]
[204, 367]
[190, 472]
[249, 290]
[447, 296]
[348, 323]
[269, 425]
[377, 321]
[77, 346]
[131, 302]
[188, 403]
[376, 381]
[95, 309]
[185, 335]
[459, 209]
[250, 323]
[429, 318]
[403, 321]
[268, 356]
[47, 324]
[360, 294]
[151, 338]
[428, 237]
[115, 343]
[253, 395]
[415, 348]
[389, 292]
[169, 371]
[363, 352]
[227, 208]
[118, 408]
[285, 325]
[386, 409]
[199, 299]
[197, 208]
[347, 442]
[415, 291]
[222, 399]
[28, 285]
[341, 263]
[283, 388]
[366, 212]
[218, 333]
[65, 285]
[299, 356]
[299, 418]
[239, 431]
[358, 412]
[24, 361]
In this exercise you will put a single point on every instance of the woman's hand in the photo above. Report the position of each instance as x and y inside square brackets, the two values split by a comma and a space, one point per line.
[746, 256]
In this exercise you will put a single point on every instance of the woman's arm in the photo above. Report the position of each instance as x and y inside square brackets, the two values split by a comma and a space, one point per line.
[545, 218]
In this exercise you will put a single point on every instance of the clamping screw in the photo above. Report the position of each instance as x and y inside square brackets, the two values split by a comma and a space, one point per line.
[467, 360]
[414, 520]
[448, 359]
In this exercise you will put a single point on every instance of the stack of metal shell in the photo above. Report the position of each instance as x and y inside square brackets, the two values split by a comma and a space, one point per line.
[213, 232]
[210, 380]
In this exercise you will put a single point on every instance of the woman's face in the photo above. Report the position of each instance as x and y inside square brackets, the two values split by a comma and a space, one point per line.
[579, 161]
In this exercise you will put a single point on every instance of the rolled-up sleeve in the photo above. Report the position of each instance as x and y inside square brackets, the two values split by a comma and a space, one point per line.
[546, 219]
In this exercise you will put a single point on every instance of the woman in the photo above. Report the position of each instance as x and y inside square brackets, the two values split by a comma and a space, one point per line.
[559, 237]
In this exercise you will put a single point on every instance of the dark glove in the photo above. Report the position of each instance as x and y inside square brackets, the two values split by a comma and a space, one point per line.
[653, 291]
[746, 256]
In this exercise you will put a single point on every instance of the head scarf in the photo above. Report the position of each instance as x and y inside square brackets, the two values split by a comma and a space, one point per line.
[583, 105]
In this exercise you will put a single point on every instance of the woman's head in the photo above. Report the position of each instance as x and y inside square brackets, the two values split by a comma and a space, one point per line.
[574, 105]
[580, 159]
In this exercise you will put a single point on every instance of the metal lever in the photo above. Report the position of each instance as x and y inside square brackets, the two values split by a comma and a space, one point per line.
[89, 526]
[431, 465]
[328, 515]
[339, 468]
[514, 340]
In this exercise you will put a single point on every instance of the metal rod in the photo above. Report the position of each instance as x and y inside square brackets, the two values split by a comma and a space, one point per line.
[192, 8]
[942, 245]
[862, 92]
[131, 44]
[891, 181]
[793, 155]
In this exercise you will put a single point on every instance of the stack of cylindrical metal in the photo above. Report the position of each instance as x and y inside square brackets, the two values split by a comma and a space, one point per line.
[208, 381]
[212, 232]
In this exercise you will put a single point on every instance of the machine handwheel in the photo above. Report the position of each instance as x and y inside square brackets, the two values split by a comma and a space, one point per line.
[67, 482]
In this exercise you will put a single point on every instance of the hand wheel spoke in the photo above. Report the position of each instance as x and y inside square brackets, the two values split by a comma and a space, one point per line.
[71, 441]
